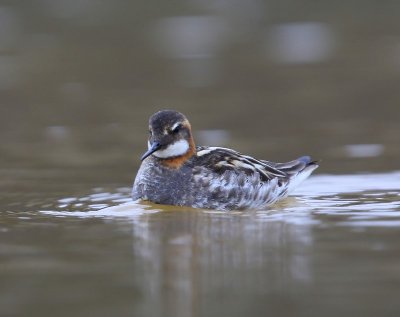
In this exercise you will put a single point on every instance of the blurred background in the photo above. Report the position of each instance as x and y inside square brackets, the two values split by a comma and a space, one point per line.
[275, 79]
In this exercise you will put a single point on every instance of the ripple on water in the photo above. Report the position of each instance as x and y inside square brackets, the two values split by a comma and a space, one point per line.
[350, 200]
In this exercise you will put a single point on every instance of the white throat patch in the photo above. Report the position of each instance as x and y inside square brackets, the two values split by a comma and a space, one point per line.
[175, 149]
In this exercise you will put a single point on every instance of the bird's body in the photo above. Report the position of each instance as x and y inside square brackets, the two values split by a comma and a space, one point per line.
[176, 172]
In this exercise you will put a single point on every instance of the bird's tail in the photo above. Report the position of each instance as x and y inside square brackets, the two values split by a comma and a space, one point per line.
[298, 170]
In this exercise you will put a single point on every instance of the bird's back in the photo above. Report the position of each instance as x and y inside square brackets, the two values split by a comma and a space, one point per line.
[225, 179]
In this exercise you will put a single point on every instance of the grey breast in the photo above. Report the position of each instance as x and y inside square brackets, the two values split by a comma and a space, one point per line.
[159, 184]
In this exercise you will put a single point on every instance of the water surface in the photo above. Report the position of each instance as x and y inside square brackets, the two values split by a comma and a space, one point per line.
[331, 249]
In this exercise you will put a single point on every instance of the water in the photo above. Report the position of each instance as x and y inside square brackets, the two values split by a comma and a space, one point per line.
[331, 249]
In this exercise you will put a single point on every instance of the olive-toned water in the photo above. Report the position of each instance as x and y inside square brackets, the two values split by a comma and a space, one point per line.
[272, 79]
[331, 250]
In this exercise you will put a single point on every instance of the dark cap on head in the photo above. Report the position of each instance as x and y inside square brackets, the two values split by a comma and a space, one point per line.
[166, 118]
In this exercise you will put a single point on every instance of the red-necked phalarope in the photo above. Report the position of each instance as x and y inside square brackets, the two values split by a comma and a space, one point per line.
[176, 172]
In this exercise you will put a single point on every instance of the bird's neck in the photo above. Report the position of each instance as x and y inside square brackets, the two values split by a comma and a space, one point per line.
[177, 161]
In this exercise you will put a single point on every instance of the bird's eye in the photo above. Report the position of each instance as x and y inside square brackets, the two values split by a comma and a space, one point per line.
[176, 128]
[150, 132]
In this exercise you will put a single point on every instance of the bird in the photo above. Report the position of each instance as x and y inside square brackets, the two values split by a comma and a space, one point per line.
[174, 171]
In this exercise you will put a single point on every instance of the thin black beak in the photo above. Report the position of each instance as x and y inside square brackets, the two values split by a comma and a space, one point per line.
[154, 147]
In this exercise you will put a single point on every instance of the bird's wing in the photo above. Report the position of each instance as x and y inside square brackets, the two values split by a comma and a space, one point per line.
[220, 159]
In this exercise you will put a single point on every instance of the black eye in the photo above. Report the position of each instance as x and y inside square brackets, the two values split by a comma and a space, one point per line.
[176, 129]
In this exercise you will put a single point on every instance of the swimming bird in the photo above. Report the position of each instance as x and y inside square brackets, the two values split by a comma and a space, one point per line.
[174, 171]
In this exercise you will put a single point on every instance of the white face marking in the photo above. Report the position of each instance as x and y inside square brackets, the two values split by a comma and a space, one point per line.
[175, 149]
